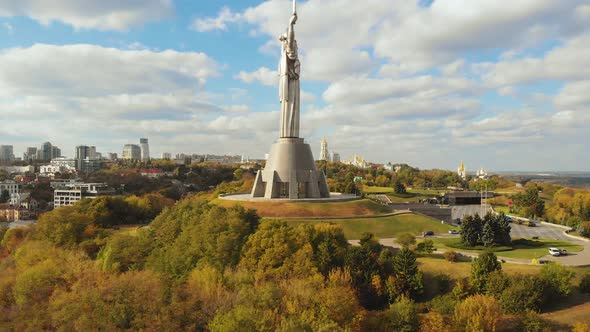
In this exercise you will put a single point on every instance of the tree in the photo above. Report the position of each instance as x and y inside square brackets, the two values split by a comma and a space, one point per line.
[4, 196]
[487, 235]
[481, 268]
[406, 239]
[401, 316]
[398, 187]
[556, 281]
[530, 203]
[407, 279]
[523, 293]
[434, 321]
[471, 228]
[477, 313]
[426, 246]
[65, 226]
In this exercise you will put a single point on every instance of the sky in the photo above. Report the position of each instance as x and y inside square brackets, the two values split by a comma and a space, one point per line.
[500, 85]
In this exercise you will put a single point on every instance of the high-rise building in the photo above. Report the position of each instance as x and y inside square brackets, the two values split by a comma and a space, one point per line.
[44, 153]
[6, 153]
[82, 152]
[112, 156]
[145, 149]
[87, 160]
[334, 157]
[31, 154]
[166, 155]
[48, 152]
[324, 150]
[55, 152]
[92, 152]
[131, 152]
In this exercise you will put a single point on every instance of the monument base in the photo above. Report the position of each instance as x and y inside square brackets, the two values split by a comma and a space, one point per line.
[290, 173]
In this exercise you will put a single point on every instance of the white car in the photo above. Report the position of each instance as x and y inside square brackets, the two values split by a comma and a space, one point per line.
[555, 252]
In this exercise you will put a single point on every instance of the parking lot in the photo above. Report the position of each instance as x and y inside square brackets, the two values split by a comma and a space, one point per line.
[542, 231]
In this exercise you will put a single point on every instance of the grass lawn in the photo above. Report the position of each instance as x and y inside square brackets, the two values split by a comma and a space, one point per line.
[361, 207]
[436, 264]
[521, 248]
[430, 192]
[383, 227]
[506, 210]
[407, 197]
[377, 190]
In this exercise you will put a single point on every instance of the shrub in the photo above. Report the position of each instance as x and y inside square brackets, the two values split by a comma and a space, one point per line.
[444, 304]
[443, 282]
[522, 294]
[581, 327]
[402, 316]
[406, 239]
[585, 284]
[426, 246]
[451, 256]
[556, 282]
[533, 322]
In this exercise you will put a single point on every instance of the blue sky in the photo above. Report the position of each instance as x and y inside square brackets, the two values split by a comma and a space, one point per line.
[429, 83]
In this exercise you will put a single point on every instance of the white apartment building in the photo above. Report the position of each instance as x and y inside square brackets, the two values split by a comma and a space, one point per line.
[11, 186]
[70, 193]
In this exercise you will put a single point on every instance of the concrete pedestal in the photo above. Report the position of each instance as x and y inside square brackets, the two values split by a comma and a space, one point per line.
[290, 172]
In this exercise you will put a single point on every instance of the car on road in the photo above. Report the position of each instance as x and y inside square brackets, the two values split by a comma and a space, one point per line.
[557, 252]
[453, 231]
[428, 233]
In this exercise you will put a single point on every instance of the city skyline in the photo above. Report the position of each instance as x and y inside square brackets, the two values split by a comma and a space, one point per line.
[419, 82]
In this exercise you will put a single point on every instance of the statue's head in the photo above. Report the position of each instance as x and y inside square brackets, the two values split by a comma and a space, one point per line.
[283, 37]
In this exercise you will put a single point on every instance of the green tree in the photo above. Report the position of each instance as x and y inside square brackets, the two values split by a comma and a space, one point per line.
[471, 228]
[65, 226]
[523, 293]
[487, 235]
[398, 187]
[530, 203]
[481, 268]
[401, 316]
[407, 279]
[556, 281]
[426, 246]
[406, 239]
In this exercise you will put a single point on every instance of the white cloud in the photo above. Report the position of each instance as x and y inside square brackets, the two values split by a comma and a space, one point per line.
[90, 70]
[262, 75]
[90, 14]
[367, 90]
[574, 97]
[334, 63]
[216, 23]
[570, 61]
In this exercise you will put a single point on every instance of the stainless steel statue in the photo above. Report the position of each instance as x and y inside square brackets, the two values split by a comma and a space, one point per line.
[289, 90]
[290, 171]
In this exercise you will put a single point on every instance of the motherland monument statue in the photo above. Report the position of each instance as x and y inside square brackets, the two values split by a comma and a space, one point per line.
[290, 171]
